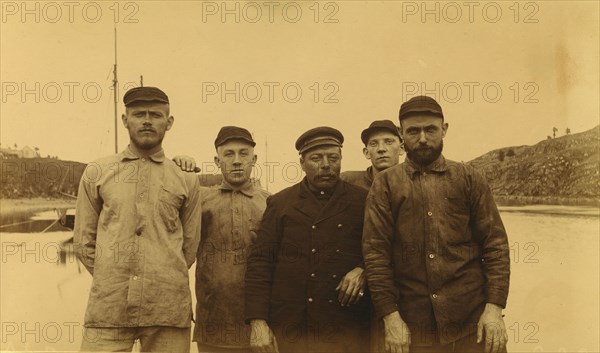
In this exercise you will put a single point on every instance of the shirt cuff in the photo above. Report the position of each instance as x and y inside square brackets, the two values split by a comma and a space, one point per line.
[497, 296]
[384, 309]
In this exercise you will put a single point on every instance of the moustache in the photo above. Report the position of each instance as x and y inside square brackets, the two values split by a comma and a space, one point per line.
[326, 176]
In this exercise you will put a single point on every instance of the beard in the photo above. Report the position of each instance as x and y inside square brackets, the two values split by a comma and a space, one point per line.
[146, 142]
[424, 156]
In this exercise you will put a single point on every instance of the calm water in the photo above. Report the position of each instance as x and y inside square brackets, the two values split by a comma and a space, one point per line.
[553, 303]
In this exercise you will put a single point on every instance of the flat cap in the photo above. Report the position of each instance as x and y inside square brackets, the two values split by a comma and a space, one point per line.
[144, 94]
[233, 132]
[319, 136]
[420, 104]
[379, 125]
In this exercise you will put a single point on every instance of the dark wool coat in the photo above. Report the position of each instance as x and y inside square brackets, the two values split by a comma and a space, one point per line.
[302, 251]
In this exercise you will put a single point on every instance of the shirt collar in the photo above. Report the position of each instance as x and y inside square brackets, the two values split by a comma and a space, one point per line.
[157, 157]
[438, 166]
[247, 189]
[369, 174]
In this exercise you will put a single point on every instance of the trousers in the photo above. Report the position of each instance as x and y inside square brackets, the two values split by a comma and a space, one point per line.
[122, 339]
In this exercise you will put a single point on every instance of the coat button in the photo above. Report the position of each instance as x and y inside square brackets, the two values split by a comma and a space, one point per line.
[313, 275]
[330, 301]
[337, 251]
[429, 213]
[138, 232]
[334, 276]
[431, 256]
[313, 226]
[310, 300]
[135, 278]
[340, 225]
[314, 251]
[434, 296]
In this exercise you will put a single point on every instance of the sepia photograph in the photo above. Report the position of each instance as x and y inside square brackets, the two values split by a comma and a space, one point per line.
[303, 176]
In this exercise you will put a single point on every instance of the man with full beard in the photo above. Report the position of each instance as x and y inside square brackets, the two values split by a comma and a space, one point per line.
[436, 251]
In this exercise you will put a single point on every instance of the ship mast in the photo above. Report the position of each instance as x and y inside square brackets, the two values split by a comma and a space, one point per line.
[267, 160]
[115, 81]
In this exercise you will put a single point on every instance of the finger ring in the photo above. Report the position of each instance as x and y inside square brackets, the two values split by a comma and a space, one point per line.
[361, 293]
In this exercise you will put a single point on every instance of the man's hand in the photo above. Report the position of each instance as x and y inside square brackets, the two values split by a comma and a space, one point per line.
[186, 163]
[262, 339]
[397, 334]
[492, 324]
[352, 287]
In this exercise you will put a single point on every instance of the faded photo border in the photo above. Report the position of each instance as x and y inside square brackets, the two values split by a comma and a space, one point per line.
[506, 73]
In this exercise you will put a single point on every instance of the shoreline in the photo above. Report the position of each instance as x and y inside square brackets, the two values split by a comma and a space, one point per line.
[16, 210]
[37, 204]
[504, 200]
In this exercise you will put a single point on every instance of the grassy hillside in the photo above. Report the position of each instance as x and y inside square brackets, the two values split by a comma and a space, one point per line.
[39, 177]
[566, 167]
[47, 177]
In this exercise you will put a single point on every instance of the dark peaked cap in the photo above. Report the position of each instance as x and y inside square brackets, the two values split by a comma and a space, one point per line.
[420, 104]
[145, 94]
[379, 125]
[319, 136]
[233, 132]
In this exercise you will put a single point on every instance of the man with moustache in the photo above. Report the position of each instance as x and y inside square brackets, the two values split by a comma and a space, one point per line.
[436, 251]
[231, 214]
[383, 147]
[137, 232]
[304, 280]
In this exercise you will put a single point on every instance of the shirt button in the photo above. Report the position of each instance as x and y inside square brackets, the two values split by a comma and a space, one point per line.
[340, 225]
[429, 213]
[143, 159]
[434, 296]
[431, 256]
[314, 251]
[141, 195]
[135, 278]
[310, 300]
[314, 226]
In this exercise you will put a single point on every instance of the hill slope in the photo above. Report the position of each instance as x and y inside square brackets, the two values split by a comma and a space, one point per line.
[564, 167]
[39, 177]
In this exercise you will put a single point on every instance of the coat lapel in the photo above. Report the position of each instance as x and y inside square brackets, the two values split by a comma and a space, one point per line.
[336, 204]
[307, 204]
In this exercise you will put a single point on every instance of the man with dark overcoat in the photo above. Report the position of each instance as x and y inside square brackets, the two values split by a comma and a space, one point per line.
[305, 285]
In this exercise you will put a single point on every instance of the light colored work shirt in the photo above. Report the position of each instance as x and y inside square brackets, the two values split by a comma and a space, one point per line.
[137, 230]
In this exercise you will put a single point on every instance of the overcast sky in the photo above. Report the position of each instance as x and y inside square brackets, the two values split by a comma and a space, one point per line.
[504, 74]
